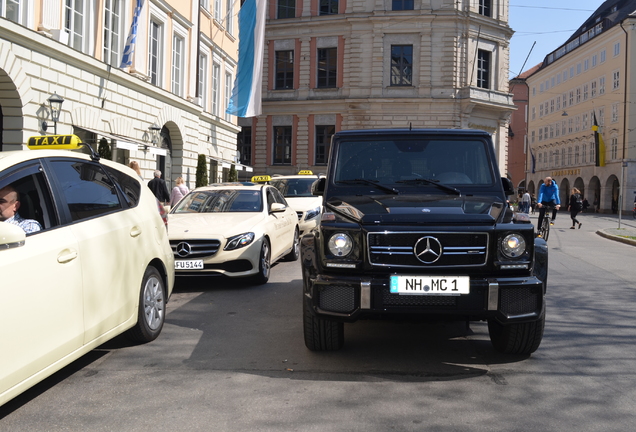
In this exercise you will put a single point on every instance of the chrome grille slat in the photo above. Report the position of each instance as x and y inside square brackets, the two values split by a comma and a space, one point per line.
[198, 248]
[465, 249]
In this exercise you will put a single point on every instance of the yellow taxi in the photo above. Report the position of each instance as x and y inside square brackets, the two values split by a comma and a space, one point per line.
[232, 229]
[297, 191]
[84, 257]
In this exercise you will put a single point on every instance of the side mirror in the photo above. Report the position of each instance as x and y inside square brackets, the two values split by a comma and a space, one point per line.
[507, 186]
[318, 188]
[11, 236]
[277, 208]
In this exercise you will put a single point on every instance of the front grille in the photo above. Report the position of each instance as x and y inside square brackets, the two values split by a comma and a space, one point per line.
[337, 298]
[519, 301]
[300, 215]
[443, 302]
[188, 249]
[457, 249]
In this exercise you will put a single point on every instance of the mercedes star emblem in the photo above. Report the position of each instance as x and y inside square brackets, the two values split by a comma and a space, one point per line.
[428, 249]
[184, 249]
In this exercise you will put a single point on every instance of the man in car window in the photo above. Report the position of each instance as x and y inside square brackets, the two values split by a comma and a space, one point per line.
[9, 205]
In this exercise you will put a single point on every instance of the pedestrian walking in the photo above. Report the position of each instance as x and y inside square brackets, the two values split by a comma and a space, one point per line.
[178, 192]
[158, 187]
[526, 200]
[533, 202]
[575, 206]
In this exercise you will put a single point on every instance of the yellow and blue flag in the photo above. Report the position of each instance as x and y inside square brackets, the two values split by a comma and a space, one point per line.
[599, 144]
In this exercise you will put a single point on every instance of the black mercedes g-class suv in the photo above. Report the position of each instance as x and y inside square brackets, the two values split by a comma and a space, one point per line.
[416, 223]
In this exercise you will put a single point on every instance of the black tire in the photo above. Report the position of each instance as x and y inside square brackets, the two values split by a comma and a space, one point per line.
[295, 252]
[321, 335]
[522, 338]
[264, 264]
[545, 230]
[152, 307]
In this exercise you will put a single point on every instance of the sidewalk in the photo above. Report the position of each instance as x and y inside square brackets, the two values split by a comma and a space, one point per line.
[605, 225]
[619, 234]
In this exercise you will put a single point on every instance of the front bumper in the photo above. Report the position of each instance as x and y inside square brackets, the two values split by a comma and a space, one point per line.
[234, 263]
[350, 298]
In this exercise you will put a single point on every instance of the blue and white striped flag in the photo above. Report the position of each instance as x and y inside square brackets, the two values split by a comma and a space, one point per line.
[246, 94]
[129, 48]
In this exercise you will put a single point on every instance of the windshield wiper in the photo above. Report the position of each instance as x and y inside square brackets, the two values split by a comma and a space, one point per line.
[432, 182]
[372, 183]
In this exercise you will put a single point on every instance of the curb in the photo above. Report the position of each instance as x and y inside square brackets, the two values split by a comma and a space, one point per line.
[617, 238]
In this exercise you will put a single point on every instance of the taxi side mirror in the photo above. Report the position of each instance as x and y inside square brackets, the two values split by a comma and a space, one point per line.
[277, 207]
[318, 188]
[11, 236]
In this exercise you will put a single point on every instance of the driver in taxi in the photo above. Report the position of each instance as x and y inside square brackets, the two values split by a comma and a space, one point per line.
[9, 205]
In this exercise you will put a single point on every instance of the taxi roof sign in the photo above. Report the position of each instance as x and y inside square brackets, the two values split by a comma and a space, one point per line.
[261, 178]
[58, 142]
[305, 172]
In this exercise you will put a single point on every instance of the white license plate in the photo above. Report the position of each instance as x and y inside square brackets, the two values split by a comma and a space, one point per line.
[430, 285]
[188, 265]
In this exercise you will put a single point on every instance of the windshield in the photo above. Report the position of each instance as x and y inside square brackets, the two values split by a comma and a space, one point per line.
[220, 201]
[400, 161]
[294, 187]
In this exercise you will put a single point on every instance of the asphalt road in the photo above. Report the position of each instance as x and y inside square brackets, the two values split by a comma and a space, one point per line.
[232, 358]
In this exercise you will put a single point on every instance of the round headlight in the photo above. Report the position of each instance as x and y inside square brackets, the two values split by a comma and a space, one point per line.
[513, 245]
[340, 244]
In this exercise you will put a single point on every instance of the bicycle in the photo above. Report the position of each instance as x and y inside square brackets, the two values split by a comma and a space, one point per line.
[544, 230]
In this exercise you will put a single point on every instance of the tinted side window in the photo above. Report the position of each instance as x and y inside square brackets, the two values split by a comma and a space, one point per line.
[130, 187]
[88, 190]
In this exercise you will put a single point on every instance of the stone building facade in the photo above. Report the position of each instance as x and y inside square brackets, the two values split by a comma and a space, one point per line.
[517, 133]
[347, 64]
[163, 109]
[590, 77]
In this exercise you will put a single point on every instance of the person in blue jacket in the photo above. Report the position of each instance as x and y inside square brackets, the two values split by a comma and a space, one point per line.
[548, 196]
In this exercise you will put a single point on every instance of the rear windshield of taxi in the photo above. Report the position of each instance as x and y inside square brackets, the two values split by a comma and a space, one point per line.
[294, 187]
[221, 201]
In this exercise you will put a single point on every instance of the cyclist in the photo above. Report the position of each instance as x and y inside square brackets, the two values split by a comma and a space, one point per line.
[548, 196]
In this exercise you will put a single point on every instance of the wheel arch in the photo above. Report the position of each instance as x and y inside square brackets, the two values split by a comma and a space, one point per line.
[163, 271]
[540, 268]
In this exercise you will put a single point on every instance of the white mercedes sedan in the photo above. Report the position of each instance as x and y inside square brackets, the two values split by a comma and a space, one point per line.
[232, 229]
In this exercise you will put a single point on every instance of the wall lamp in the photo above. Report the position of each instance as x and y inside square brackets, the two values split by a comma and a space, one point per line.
[55, 104]
[154, 132]
[564, 114]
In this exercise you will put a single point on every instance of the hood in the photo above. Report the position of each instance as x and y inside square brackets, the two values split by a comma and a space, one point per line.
[419, 209]
[301, 204]
[211, 225]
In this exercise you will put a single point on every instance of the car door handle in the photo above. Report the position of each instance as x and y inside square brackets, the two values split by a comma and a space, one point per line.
[135, 232]
[66, 255]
